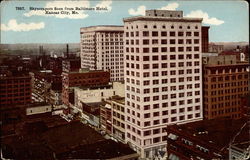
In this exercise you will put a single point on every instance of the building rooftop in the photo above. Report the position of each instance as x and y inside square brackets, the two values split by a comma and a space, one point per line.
[72, 140]
[217, 133]
[118, 99]
[168, 19]
[105, 28]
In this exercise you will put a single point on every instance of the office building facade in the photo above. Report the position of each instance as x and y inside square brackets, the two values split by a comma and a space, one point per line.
[102, 49]
[162, 76]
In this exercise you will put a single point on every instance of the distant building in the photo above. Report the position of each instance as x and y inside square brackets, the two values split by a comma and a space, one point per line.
[225, 82]
[55, 64]
[163, 77]
[112, 119]
[102, 49]
[15, 89]
[214, 48]
[206, 139]
[84, 78]
[71, 65]
[42, 82]
[240, 56]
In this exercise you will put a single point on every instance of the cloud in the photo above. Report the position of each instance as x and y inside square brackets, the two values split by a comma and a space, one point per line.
[206, 18]
[104, 4]
[170, 6]
[62, 4]
[140, 11]
[14, 26]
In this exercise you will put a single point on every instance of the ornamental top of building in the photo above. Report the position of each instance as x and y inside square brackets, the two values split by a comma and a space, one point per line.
[102, 28]
[164, 13]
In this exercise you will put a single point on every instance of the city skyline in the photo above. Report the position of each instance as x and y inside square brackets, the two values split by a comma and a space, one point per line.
[224, 18]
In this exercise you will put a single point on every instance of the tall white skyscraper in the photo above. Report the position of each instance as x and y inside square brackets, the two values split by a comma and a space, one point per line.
[163, 76]
[102, 49]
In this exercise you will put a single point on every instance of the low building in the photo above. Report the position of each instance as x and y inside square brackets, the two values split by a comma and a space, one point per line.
[81, 78]
[206, 139]
[112, 117]
[38, 108]
[98, 93]
[90, 113]
[215, 48]
[53, 139]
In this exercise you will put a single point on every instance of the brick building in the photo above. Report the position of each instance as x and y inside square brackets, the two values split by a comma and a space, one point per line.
[81, 78]
[204, 38]
[112, 118]
[206, 139]
[15, 90]
[225, 83]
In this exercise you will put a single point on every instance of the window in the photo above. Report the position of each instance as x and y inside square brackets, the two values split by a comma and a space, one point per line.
[172, 57]
[196, 34]
[146, 66]
[145, 83]
[172, 41]
[163, 34]
[163, 41]
[156, 114]
[145, 33]
[146, 123]
[180, 34]
[180, 49]
[196, 48]
[180, 41]
[155, 81]
[145, 58]
[188, 34]
[164, 57]
[155, 41]
[145, 50]
[164, 73]
[146, 90]
[155, 66]
[181, 56]
[154, 50]
[172, 34]
[173, 119]
[154, 34]
[196, 41]
[145, 41]
[164, 112]
[164, 49]
[172, 49]
[155, 58]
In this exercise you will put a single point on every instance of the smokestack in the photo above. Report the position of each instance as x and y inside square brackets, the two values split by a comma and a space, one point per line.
[67, 50]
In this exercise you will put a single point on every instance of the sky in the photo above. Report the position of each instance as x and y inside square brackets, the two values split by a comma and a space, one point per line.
[228, 20]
